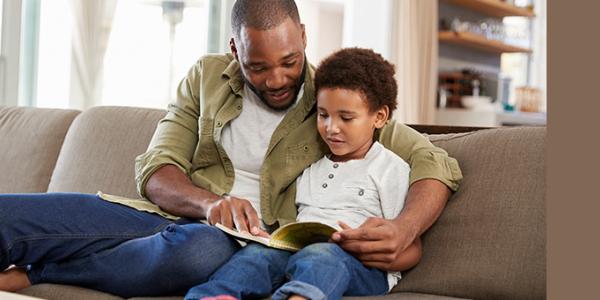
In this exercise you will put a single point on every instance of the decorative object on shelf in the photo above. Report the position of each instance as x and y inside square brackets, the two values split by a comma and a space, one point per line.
[455, 85]
[477, 102]
[528, 99]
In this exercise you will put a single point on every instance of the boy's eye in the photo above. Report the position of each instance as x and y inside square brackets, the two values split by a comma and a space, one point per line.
[323, 115]
[289, 64]
[347, 118]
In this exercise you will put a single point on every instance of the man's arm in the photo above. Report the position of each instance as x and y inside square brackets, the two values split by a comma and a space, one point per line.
[382, 243]
[174, 192]
[162, 173]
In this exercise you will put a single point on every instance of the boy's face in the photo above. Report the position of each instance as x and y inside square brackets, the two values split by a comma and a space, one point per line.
[345, 122]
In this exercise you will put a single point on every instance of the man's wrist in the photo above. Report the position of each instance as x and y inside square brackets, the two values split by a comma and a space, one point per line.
[408, 227]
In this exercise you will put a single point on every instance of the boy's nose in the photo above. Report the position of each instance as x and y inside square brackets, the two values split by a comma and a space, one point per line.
[332, 128]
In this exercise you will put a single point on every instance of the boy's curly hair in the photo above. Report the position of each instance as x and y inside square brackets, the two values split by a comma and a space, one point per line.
[362, 70]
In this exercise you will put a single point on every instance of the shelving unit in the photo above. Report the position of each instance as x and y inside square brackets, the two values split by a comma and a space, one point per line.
[478, 42]
[493, 8]
[466, 56]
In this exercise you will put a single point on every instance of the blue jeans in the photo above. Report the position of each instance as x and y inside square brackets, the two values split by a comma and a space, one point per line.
[80, 239]
[318, 271]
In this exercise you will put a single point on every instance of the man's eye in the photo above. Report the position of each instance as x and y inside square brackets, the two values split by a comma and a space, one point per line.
[347, 118]
[322, 115]
[289, 64]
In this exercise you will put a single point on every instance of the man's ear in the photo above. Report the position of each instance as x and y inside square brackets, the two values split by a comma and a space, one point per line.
[233, 48]
[303, 36]
[381, 116]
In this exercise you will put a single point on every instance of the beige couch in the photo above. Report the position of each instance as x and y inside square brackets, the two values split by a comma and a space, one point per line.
[490, 242]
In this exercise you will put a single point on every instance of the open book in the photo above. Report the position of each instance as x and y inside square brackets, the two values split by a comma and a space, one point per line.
[291, 237]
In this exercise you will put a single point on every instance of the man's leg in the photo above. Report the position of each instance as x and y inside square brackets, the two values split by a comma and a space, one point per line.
[41, 228]
[253, 272]
[166, 263]
[326, 271]
[83, 240]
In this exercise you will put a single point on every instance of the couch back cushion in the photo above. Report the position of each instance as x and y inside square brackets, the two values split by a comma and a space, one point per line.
[490, 241]
[30, 140]
[100, 149]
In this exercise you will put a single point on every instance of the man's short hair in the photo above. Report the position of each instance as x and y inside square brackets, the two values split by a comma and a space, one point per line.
[262, 14]
[360, 70]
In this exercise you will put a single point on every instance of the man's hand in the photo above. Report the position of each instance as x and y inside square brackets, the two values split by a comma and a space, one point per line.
[235, 212]
[377, 243]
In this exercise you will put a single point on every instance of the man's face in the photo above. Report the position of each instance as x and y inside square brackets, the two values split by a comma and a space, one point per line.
[272, 61]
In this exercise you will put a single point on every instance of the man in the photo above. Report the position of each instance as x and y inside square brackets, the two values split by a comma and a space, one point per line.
[242, 129]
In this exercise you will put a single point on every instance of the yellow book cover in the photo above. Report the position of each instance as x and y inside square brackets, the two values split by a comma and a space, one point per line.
[291, 237]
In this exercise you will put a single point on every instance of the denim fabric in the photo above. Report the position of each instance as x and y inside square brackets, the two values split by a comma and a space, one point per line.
[319, 271]
[79, 239]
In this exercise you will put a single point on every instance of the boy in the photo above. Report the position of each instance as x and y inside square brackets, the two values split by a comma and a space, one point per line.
[356, 93]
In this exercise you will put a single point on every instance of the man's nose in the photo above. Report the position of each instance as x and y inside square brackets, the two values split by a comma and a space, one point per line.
[276, 80]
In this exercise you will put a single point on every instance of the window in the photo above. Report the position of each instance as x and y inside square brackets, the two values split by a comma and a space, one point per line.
[1, 6]
[54, 54]
[137, 60]
[137, 63]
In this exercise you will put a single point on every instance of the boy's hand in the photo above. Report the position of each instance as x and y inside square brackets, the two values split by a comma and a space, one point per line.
[376, 243]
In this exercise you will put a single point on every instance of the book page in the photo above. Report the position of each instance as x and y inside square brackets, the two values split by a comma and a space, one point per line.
[245, 236]
[295, 236]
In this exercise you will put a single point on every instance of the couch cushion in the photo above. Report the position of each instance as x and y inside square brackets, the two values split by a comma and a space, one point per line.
[490, 241]
[30, 140]
[65, 292]
[100, 149]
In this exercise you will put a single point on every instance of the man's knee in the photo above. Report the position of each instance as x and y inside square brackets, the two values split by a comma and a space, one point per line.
[197, 248]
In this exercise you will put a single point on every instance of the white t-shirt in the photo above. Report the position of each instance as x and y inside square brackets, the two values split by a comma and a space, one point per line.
[352, 191]
[246, 140]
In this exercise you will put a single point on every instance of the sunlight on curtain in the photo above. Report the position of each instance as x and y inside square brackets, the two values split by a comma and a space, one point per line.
[136, 66]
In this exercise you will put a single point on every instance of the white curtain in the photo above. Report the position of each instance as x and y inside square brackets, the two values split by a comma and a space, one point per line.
[91, 30]
[415, 54]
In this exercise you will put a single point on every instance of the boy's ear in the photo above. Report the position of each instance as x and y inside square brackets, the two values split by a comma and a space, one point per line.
[381, 116]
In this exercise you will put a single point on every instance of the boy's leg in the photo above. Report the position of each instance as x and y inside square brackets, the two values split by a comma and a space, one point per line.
[255, 271]
[83, 240]
[326, 271]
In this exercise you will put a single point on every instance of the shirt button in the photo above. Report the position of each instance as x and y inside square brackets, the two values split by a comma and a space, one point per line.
[335, 166]
[361, 192]
[219, 124]
[239, 107]
[324, 185]
[330, 176]
[305, 148]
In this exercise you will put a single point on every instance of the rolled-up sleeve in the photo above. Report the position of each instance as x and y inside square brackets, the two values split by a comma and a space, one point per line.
[426, 160]
[176, 135]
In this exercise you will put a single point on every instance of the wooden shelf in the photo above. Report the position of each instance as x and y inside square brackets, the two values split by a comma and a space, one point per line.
[494, 8]
[476, 41]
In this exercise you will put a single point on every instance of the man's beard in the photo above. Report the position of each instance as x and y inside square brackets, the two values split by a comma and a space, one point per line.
[266, 102]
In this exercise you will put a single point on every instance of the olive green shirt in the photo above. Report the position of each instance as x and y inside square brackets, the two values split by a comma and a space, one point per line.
[210, 96]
